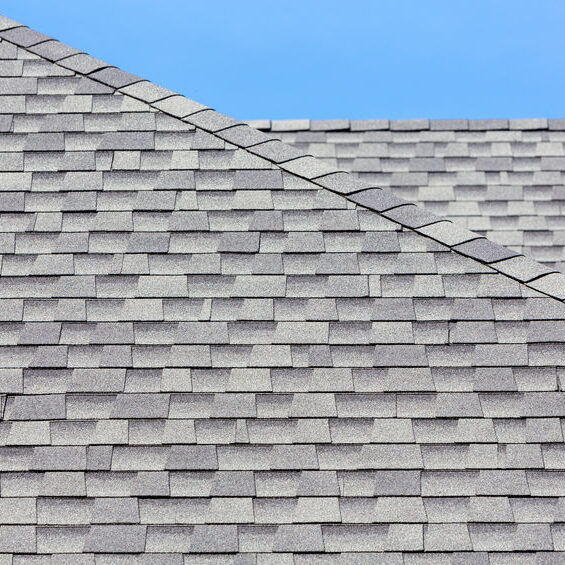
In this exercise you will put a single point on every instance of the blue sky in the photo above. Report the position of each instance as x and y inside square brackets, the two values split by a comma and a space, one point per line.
[328, 59]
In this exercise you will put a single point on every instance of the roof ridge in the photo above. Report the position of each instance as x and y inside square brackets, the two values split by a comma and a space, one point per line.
[458, 124]
[405, 213]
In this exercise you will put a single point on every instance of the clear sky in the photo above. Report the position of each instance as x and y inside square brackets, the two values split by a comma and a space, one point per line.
[328, 58]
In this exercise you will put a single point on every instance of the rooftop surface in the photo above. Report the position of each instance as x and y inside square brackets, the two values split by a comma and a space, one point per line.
[503, 179]
[216, 349]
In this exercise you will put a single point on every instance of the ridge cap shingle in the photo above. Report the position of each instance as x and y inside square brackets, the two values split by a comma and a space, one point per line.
[497, 257]
[413, 124]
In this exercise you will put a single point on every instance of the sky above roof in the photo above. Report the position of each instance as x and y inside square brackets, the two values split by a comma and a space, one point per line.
[328, 59]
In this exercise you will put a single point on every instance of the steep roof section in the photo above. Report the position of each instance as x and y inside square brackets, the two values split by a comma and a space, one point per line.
[287, 158]
[503, 179]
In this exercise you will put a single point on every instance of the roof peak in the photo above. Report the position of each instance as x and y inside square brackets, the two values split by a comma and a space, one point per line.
[242, 135]
[464, 124]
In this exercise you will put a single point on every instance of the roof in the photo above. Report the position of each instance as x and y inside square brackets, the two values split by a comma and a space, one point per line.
[503, 179]
[215, 349]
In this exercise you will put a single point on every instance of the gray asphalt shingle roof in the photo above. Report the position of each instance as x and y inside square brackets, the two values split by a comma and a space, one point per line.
[216, 349]
[503, 179]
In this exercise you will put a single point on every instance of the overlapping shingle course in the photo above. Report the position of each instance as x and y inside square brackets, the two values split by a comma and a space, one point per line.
[500, 178]
[207, 357]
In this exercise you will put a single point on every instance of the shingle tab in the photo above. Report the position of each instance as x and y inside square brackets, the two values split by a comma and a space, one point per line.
[52, 50]
[179, 106]
[114, 77]
[23, 36]
[377, 199]
[82, 63]
[485, 250]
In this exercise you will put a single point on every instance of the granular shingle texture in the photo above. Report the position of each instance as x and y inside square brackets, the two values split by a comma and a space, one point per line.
[504, 179]
[208, 358]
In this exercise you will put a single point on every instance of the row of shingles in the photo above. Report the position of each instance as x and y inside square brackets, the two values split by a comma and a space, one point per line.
[395, 510]
[160, 445]
[375, 309]
[287, 382]
[397, 151]
[409, 125]
[548, 282]
[345, 558]
[324, 406]
[221, 326]
[527, 484]
[283, 355]
[257, 500]
[277, 424]
[310, 538]
[402, 482]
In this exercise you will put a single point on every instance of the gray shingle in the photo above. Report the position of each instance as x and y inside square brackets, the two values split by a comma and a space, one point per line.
[30, 407]
[411, 216]
[286, 125]
[114, 77]
[485, 250]
[529, 123]
[179, 106]
[17, 539]
[275, 151]
[409, 125]
[12, 86]
[52, 50]
[298, 538]
[23, 36]
[115, 539]
[492, 124]
[146, 91]
[258, 179]
[82, 63]
[552, 284]
[307, 167]
[243, 136]
[213, 121]
[377, 199]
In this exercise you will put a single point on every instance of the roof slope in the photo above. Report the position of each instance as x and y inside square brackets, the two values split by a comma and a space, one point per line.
[253, 141]
[504, 179]
[209, 356]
